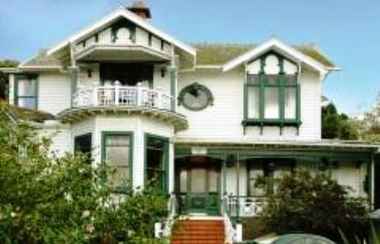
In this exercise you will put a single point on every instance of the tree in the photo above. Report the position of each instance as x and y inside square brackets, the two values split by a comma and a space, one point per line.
[315, 204]
[49, 199]
[337, 126]
[7, 63]
[371, 124]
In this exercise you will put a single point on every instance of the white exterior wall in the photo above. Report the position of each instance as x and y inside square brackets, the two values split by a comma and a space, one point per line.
[60, 136]
[54, 92]
[222, 121]
[84, 80]
[160, 82]
[11, 90]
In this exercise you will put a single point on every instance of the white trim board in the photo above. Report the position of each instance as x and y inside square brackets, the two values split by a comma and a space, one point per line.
[277, 45]
[122, 12]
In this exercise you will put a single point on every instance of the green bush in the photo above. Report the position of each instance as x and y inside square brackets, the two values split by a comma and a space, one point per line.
[315, 204]
[48, 199]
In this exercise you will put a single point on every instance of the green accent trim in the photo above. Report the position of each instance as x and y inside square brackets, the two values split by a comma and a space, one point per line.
[104, 135]
[191, 87]
[162, 45]
[150, 37]
[165, 166]
[18, 77]
[263, 83]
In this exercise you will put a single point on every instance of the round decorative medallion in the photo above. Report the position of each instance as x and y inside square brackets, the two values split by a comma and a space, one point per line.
[195, 97]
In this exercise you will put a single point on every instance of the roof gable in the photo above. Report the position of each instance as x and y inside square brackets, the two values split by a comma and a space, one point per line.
[309, 56]
[122, 13]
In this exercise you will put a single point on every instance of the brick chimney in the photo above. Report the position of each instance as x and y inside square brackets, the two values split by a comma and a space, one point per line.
[140, 8]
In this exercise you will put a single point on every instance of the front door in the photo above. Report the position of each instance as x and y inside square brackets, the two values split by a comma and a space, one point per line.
[199, 186]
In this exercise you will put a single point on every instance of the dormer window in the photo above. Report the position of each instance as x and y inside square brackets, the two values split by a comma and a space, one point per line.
[272, 92]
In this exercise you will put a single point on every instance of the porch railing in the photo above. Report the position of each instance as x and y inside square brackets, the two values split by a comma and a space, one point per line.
[122, 96]
[164, 228]
[245, 206]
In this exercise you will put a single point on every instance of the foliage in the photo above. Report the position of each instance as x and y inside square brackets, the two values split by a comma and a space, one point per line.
[335, 125]
[314, 204]
[49, 199]
[4, 77]
[370, 126]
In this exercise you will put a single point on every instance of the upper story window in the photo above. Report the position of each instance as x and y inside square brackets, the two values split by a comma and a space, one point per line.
[272, 92]
[26, 91]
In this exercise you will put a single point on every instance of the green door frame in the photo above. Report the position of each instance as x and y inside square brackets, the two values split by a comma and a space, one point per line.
[211, 199]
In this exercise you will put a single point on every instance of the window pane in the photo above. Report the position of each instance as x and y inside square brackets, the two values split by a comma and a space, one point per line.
[290, 103]
[253, 102]
[198, 180]
[183, 181]
[27, 102]
[213, 181]
[254, 173]
[117, 140]
[271, 103]
[26, 87]
[117, 155]
[119, 176]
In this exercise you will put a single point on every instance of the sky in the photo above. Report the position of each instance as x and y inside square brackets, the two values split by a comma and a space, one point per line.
[348, 31]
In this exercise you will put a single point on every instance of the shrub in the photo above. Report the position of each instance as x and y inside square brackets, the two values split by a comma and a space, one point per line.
[48, 199]
[315, 204]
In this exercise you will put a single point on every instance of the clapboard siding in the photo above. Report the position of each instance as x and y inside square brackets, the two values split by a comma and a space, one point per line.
[54, 92]
[222, 121]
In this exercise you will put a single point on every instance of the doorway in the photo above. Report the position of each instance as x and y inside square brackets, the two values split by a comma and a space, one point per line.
[198, 185]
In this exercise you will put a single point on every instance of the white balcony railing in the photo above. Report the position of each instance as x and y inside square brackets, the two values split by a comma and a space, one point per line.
[123, 96]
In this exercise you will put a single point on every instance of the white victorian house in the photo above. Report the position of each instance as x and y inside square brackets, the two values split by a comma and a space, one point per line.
[203, 120]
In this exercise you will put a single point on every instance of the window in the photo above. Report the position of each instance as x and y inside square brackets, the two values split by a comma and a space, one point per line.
[268, 170]
[83, 144]
[117, 153]
[26, 90]
[272, 99]
[157, 161]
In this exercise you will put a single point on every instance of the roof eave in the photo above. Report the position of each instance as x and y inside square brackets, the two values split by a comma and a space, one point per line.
[128, 15]
[275, 43]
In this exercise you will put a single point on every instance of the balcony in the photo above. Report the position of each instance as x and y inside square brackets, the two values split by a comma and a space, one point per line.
[122, 96]
[88, 101]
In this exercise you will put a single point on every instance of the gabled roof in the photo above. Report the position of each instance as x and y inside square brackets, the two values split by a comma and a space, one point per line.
[313, 59]
[221, 53]
[124, 13]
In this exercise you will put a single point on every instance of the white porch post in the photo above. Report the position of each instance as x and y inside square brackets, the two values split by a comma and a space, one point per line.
[171, 177]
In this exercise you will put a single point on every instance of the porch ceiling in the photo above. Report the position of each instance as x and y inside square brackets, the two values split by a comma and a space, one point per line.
[130, 53]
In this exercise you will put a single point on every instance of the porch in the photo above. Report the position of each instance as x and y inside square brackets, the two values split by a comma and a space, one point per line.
[211, 178]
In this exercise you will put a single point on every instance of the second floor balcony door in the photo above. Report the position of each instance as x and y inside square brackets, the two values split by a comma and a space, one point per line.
[128, 74]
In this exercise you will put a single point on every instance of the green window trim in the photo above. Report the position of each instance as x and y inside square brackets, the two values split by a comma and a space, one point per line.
[19, 77]
[282, 83]
[131, 147]
[165, 166]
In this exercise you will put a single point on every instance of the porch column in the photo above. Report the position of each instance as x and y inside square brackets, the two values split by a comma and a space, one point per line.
[171, 163]
[74, 82]
[173, 86]
[74, 70]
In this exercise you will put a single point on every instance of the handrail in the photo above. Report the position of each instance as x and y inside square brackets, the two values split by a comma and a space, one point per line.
[122, 96]
[230, 232]
[172, 207]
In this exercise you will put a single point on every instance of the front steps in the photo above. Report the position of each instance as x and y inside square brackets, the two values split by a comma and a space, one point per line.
[198, 231]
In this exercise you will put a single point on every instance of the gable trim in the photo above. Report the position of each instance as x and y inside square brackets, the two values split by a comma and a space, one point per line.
[274, 44]
[130, 16]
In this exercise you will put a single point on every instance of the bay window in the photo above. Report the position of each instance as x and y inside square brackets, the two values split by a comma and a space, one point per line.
[26, 90]
[156, 161]
[117, 153]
